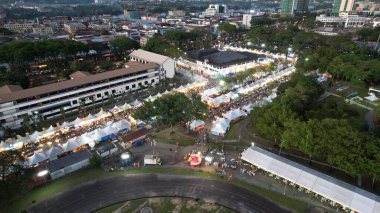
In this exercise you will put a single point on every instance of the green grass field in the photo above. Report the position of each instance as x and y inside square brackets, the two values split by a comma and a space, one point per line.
[90, 174]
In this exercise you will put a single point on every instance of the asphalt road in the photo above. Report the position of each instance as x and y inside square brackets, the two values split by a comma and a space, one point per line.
[98, 194]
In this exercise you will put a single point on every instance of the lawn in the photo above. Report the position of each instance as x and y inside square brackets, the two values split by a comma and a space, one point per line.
[231, 134]
[89, 174]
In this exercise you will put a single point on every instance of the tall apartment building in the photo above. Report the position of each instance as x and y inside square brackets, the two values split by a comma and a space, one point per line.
[343, 6]
[290, 7]
[47, 100]
[246, 22]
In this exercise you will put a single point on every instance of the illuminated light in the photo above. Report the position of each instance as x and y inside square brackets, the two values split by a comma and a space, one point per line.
[42, 173]
[252, 144]
[221, 83]
[125, 156]
[208, 159]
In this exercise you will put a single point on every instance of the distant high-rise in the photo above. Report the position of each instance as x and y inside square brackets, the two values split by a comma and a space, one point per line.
[290, 7]
[342, 6]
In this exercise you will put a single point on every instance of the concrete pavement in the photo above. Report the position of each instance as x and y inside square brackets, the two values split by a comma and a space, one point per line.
[98, 194]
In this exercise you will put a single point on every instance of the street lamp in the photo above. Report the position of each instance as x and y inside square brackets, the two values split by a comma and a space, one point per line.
[221, 83]
[289, 49]
[249, 43]
[125, 156]
[263, 45]
[306, 59]
[42, 173]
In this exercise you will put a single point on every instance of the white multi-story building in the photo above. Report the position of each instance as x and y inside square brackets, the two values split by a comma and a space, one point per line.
[47, 101]
[19, 27]
[348, 21]
[246, 23]
[167, 64]
[216, 9]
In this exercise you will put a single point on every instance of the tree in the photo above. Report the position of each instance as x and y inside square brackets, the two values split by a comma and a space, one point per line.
[124, 45]
[265, 21]
[27, 119]
[227, 27]
[63, 112]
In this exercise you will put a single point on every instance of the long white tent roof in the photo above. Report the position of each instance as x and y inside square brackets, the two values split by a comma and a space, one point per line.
[333, 189]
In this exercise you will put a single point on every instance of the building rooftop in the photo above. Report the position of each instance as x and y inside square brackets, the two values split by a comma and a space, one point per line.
[105, 148]
[36, 91]
[221, 58]
[9, 88]
[80, 74]
[135, 135]
[149, 56]
[68, 160]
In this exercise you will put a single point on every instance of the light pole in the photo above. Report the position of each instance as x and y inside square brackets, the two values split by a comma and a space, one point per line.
[263, 45]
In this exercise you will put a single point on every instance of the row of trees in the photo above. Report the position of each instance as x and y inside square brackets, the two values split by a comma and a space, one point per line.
[172, 109]
[295, 120]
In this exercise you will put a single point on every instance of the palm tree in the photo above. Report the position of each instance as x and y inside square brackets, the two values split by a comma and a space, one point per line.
[93, 103]
[63, 112]
[82, 105]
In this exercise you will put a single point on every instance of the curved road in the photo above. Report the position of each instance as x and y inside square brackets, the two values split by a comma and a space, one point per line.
[98, 194]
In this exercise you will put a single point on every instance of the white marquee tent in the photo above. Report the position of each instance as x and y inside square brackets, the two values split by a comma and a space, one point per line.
[34, 137]
[220, 126]
[234, 114]
[122, 124]
[70, 145]
[109, 130]
[37, 157]
[335, 190]
[53, 152]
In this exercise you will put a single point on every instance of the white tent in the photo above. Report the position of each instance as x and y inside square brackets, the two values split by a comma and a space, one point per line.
[53, 152]
[109, 130]
[166, 92]
[116, 109]
[180, 89]
[90, 117]
[96, 135]
[102, 114]
[65, 124]
[248, 108]
[211, 91]
[35, 136]
[84, 139]
[70, 145]
[122, 124]
[125, 106]
[219, 129]
[5, 145]
[76, 122]
[150, 98]
[136, 103]
[37, 158]
[234, 114]
[158, 95]
[50, 130]
[196, 123]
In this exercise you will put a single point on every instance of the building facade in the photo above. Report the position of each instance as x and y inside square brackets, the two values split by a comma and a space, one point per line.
[342, 6]
[166, 65]
[290, 7]
[73, 27]
[246, 23]
[19, 27]
[47, 101]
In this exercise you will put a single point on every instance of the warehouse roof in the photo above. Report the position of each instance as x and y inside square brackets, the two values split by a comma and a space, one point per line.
[149, 56]
[333, 189]
[221, 58]
[68, 160]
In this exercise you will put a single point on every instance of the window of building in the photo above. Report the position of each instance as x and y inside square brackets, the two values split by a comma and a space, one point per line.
[146, 82]
[127, 88]
[99, 95]
[113, 91]
[152, 80]
[106, 93]
[133, 85]
[140, 84]
[75, 101]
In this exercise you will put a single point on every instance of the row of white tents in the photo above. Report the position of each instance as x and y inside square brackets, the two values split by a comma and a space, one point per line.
[265, 81]
[221, 125]
[90, 138]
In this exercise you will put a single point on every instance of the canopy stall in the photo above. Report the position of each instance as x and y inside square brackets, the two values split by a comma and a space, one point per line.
[210, 92]
[97, 135]
[76, 122]
[150, 99]
[247, 108]
[50, 130]
[53, 152]
[109, 130]
[35, 136]
[90, 117]
[136, 103]
[196, 125]
[65, 124]
[234, 114]
[125, 107]
[36, 158]
[220, 127]
[102, 114]
[122, 125]
[84, 139]
[70, 145]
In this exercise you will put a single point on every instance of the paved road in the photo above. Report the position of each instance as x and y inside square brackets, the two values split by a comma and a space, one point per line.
[97, 194]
